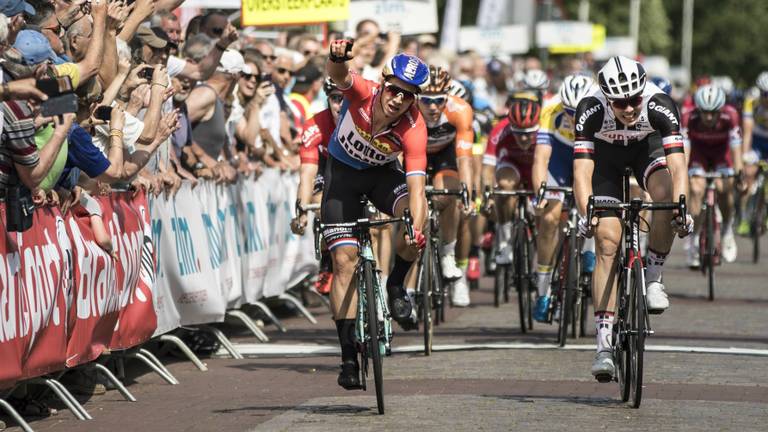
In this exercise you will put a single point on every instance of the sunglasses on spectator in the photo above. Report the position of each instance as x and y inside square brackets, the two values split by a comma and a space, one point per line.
[336, 98]
[284, 71]
[218, 31]
[624, 103]
[270, 58]
[249, 77]
[394, 91]
[429, 100]
[309, 53]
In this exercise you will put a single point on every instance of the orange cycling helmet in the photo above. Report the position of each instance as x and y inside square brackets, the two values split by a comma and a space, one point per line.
[439, 81]
[524, 111]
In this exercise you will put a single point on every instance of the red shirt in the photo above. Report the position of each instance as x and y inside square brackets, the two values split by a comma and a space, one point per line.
[504, 151]
[725, 134]
[316, 136]
[353, 145]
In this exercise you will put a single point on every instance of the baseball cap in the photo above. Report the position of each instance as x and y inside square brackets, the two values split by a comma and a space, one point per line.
[35, 48]
[231, 62]
[307, 74]
[149, 37]
[11, 8]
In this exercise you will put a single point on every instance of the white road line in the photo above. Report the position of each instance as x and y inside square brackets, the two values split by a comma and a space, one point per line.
[318, 350]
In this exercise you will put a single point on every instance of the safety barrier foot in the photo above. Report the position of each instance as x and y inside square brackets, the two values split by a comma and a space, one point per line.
[295, 302]
[66, 397]
[116, 382]
[139, 356]
[248, 322]
[224, 341]
[8, 408]
[159, 364]
[184, 349]
[264, 308]
[323, 299]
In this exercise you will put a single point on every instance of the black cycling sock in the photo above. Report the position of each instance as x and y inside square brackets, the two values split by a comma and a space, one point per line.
[474, 251]
[345, 328]
[397, 276]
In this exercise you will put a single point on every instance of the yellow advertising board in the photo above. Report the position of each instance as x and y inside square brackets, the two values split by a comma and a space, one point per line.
[278, 12]
[598, 41]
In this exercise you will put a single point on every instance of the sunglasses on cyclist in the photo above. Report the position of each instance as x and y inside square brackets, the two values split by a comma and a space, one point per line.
[282, 71]
[336, 98]
[624, 103]
[394, 90]
[429, 100]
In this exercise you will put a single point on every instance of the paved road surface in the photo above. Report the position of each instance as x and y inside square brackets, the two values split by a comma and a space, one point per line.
[513, 388]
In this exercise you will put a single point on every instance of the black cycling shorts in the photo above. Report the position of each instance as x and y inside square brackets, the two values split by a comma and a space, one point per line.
[443, 160]
[319, 180]
[644, 157]
[384, 186]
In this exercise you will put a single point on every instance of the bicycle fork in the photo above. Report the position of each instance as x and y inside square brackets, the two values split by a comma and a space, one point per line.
[632, 240]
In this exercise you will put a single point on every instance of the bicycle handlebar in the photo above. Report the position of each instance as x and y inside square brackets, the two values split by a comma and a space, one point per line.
[430, 191]
[301, 209]
[636, 204]
[363, 223]
[544, 188]
[714, 175]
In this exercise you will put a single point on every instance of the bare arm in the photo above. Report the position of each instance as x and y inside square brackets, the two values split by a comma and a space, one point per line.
[746, 144]
[307, 174]
[207, 66]
[142, 10]
[540, 163]
[156, 98]
[582, 182]
[417, 200]
[115, 151]
[168, 5]
[91, 64]
[679, 172]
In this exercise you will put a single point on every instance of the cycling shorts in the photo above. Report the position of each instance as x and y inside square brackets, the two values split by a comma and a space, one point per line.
[703, 159]
[319, 179]
[383, 185]
[760, 146]
[442, 161]
[644, 158]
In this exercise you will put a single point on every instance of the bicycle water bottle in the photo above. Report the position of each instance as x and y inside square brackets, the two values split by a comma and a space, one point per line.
[588, 261]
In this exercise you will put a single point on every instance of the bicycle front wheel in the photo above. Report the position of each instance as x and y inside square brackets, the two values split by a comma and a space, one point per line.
[428, 288]
[374, 339]
[522, 279]
[637, 317]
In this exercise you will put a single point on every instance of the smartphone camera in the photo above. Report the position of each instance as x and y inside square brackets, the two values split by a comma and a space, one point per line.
[103, 113]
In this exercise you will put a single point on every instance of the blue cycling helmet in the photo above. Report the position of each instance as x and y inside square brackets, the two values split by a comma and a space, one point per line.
[410, 69]
[663, 84]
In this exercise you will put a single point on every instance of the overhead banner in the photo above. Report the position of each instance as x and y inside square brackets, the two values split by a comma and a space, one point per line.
[279, 12]
[569, 37]
[512, 39]
[404, 16]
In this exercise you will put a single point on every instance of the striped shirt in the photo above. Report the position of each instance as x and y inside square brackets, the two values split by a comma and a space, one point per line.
[17, 141]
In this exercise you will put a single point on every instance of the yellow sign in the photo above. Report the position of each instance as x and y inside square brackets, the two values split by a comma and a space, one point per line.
[277, 12]
[598, 41]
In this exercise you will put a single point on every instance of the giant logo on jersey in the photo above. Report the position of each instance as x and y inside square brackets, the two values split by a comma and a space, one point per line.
[586, 115]
[355, 144]
[663, 110]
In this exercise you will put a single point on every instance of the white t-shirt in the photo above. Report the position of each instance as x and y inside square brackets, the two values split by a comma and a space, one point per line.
[175, 65]
[270, 118]
[237, 114]
[131, 133]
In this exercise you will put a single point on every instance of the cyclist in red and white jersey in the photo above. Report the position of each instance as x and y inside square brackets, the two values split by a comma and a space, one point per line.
[713, 134]
[377, 122]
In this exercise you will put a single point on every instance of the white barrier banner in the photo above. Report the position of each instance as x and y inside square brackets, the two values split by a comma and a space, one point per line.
[224, 246]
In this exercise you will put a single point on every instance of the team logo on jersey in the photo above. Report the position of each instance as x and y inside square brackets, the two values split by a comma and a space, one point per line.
[306, 137]
[663, 110]
[621, 135]
[354, 142]
[380, 145]
[586, 115]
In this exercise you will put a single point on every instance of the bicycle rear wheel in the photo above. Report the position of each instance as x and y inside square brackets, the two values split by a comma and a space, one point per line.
[708, 259]
[572, 279]
[757, 223]
[637, 321]
[374, 340]
[559, 279]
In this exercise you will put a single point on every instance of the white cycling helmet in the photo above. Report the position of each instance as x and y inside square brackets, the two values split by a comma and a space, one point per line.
[709, 98]
[762, 81]
[536, 79]
[574, 88]
[621, 78]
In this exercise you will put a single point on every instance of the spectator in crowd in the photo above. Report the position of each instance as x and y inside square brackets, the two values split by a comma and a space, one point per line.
[308, 82]
[169, 24]
[214, 24]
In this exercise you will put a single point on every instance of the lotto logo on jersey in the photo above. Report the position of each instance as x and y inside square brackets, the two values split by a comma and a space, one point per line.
[355, 145]
[381, 146]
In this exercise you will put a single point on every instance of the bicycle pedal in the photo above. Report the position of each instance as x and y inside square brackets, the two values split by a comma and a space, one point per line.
[604, 378]
[656, 311]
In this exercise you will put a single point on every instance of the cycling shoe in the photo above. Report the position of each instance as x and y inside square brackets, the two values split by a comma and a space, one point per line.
[349, 377]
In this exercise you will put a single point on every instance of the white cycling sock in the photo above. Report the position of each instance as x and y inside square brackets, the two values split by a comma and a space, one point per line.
[654, 264]
[543, 279]
[604, 330]
[505, 233]
[448, 249]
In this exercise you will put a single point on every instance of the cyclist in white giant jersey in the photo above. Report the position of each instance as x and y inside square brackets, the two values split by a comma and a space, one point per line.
[627, 123]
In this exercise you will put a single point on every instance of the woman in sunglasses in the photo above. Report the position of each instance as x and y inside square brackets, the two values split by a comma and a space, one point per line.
[627, 123]
[377, 122]
[449, 164]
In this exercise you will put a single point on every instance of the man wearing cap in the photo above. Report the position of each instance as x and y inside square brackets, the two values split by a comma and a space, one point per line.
[15, 10]
[308, 82]
[207, 115]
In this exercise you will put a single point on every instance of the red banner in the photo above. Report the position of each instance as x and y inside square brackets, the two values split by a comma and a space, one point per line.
[63, 299]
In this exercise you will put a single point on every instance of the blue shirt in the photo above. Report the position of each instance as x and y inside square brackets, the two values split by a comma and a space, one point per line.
[83, 154]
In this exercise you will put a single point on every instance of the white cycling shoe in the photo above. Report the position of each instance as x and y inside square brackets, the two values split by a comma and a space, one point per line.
[729, 247]
[504, 254]
[451, 271]
[603, 368]
[656, 298]
[460, 295]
